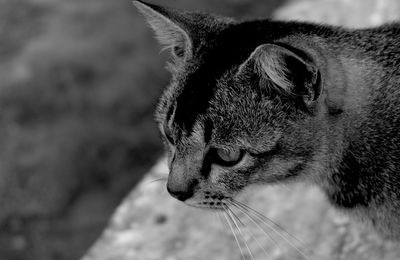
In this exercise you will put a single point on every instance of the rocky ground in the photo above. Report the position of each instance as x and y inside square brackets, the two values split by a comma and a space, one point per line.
[149, 224]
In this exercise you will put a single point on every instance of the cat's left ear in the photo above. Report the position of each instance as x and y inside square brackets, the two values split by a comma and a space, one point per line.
[170, 26]
[290, 71]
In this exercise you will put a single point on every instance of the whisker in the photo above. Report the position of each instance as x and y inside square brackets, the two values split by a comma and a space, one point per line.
[233, 232]
[258, 226]
[271, 225]
[159, 179]
[224, 225]
[253, 236]
[251, 233]
[235, 215]
[229, 211]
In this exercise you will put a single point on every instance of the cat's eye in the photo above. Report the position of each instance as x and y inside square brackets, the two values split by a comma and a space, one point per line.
[228, 158]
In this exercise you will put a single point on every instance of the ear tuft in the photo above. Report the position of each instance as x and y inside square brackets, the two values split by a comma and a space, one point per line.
[289, 72]
[270, 65]
[169, 32]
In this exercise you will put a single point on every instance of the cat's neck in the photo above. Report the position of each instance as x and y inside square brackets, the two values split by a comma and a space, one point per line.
[352, 82]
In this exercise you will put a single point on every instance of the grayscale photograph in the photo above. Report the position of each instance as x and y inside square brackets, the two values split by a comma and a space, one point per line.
[200, 130]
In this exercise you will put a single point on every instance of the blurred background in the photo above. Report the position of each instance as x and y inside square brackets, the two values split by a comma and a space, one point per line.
[79, 83]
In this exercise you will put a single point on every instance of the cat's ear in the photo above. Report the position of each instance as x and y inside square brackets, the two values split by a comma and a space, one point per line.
[290, 73]
[170, 27]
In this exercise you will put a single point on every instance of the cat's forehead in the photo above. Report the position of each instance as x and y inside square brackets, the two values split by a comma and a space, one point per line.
[206, 78]
[231, 111]
[196, 86]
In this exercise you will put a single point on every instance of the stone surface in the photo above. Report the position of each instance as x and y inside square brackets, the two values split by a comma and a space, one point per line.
[151, 225]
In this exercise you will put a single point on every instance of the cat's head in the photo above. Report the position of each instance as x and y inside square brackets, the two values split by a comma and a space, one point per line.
[240, 107]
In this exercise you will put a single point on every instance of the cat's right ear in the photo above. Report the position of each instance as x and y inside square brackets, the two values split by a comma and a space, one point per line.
[170, 26]
[285, 70]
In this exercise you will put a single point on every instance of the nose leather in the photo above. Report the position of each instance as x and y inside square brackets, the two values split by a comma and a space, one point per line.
[183, 191]
[180, 195]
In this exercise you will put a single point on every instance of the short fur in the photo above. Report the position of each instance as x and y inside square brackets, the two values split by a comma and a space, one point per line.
[303, 101]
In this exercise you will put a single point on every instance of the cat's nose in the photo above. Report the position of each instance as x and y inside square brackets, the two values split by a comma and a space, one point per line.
[181, 191]
[180, 195]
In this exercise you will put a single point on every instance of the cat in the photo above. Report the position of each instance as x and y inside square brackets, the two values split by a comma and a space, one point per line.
[263, 101]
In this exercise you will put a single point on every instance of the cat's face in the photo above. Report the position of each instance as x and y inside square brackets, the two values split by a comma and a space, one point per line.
[232, 115]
